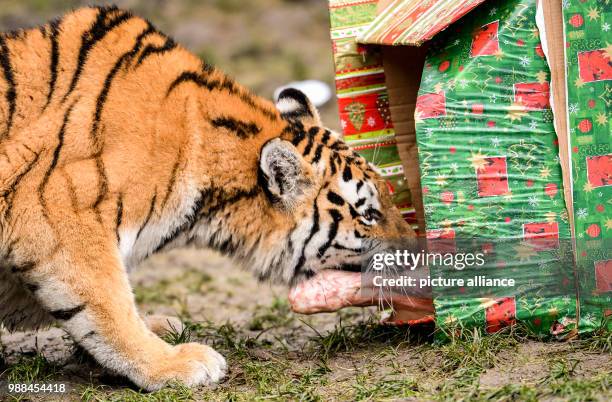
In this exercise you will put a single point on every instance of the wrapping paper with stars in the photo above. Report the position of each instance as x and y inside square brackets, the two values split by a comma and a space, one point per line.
[490, 167]
[489, 155]
[588, 40]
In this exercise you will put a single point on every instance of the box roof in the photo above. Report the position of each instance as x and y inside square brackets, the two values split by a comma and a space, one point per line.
[412, 22]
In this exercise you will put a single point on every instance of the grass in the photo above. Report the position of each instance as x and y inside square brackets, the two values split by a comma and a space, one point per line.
[304, 386]
[30, 369]
[558, 384]
[469, 355]
[155, 294]
[561, 382]
[264, 376]
[474, 352]
[387, 388]
[174, 393]
[466, 357]
[276, 315]
[166, 291]
[263, 370]
[347, 337]
[174, 336]
[277, 356]
[599, 341]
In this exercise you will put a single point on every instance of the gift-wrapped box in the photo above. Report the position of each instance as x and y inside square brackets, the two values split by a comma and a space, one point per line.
[489, 165]
[495, 115]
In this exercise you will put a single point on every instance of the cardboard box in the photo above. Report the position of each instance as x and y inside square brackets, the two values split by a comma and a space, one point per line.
[399, 63]
[388, 41]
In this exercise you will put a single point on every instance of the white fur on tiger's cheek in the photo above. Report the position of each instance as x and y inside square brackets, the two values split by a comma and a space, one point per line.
[298, 238]
[320, 166]
[348, 190]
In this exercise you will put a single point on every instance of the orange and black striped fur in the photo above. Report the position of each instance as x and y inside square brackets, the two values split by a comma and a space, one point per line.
[116, 143]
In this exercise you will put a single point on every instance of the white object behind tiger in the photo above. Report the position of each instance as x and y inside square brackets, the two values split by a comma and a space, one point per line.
[317, 91]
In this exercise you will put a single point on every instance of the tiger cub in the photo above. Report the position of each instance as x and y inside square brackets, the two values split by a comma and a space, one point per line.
[116, 143]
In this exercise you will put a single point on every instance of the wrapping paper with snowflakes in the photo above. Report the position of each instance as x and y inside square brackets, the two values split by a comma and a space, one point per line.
[588, 37]
[490, 168]
[362, 97]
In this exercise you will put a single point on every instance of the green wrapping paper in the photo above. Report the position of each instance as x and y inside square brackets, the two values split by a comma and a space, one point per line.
[490, 170]
[588, 37]
[489, 158]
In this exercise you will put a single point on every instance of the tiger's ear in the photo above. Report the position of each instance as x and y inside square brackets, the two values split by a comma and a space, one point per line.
[295, 105]
[283, 174]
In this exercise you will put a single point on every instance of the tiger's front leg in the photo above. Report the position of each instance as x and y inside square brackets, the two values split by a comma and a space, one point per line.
[84, 286]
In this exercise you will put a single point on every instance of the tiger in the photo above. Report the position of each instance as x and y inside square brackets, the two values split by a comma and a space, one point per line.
[117, 143]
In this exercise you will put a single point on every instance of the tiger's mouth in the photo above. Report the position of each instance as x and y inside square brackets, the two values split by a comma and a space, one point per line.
[350, 268]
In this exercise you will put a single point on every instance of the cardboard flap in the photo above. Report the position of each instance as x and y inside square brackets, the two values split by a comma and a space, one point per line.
[403, 67]
[550, 23]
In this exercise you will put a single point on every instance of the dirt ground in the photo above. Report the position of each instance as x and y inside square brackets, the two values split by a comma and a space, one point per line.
[274, 354]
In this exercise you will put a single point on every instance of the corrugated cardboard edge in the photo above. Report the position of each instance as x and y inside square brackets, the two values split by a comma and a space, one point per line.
[549, 18]
[550, 23]
[403, 69]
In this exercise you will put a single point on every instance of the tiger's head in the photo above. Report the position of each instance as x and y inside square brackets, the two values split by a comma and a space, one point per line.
[339, 206]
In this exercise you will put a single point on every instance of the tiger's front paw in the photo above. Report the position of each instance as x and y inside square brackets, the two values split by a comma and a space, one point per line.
[198, 364]
[191, 364]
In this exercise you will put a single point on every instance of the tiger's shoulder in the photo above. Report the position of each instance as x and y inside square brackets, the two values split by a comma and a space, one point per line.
[99, 92]
[82, 56]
